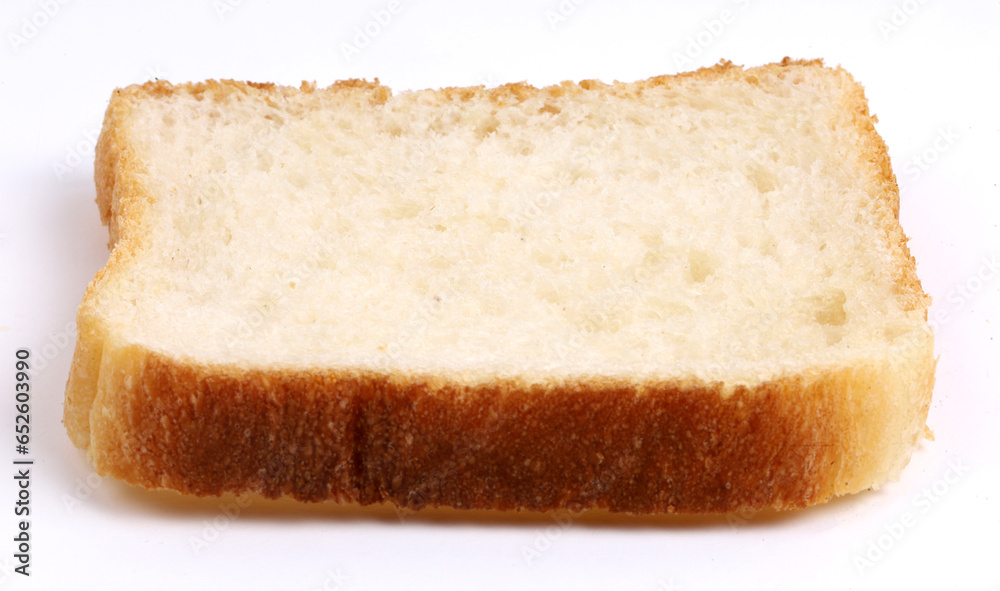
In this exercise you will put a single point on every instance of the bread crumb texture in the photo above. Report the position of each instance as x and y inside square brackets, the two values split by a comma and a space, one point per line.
[689, 293]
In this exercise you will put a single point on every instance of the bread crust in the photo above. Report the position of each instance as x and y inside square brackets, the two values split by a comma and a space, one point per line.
[415, 442]
[162, 421]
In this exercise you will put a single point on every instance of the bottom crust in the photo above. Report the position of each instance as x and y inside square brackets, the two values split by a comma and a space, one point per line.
[362, 437]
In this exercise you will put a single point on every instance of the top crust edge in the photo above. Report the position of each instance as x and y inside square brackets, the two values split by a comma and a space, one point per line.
[518, 91]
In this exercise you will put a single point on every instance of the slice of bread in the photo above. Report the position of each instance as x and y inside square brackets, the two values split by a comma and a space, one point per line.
[685, 294]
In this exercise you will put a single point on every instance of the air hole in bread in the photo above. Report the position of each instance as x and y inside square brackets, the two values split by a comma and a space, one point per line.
[486, 126]
[762, 179]
[550, 108]
[700, 265]
[829, 308]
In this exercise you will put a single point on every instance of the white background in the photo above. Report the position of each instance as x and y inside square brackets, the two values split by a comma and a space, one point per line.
[931, 71]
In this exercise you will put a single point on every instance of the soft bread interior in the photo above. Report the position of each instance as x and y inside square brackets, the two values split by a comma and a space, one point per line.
[728, 230]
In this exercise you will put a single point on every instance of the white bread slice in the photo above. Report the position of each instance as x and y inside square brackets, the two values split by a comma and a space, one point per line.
[689, 293]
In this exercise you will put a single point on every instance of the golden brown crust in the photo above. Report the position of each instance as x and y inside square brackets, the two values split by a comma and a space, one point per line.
[875, 158]
[325, 434]
[368, 438]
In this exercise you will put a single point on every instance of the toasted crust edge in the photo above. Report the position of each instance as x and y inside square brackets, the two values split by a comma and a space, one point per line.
[415, 442]
[162, 422]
